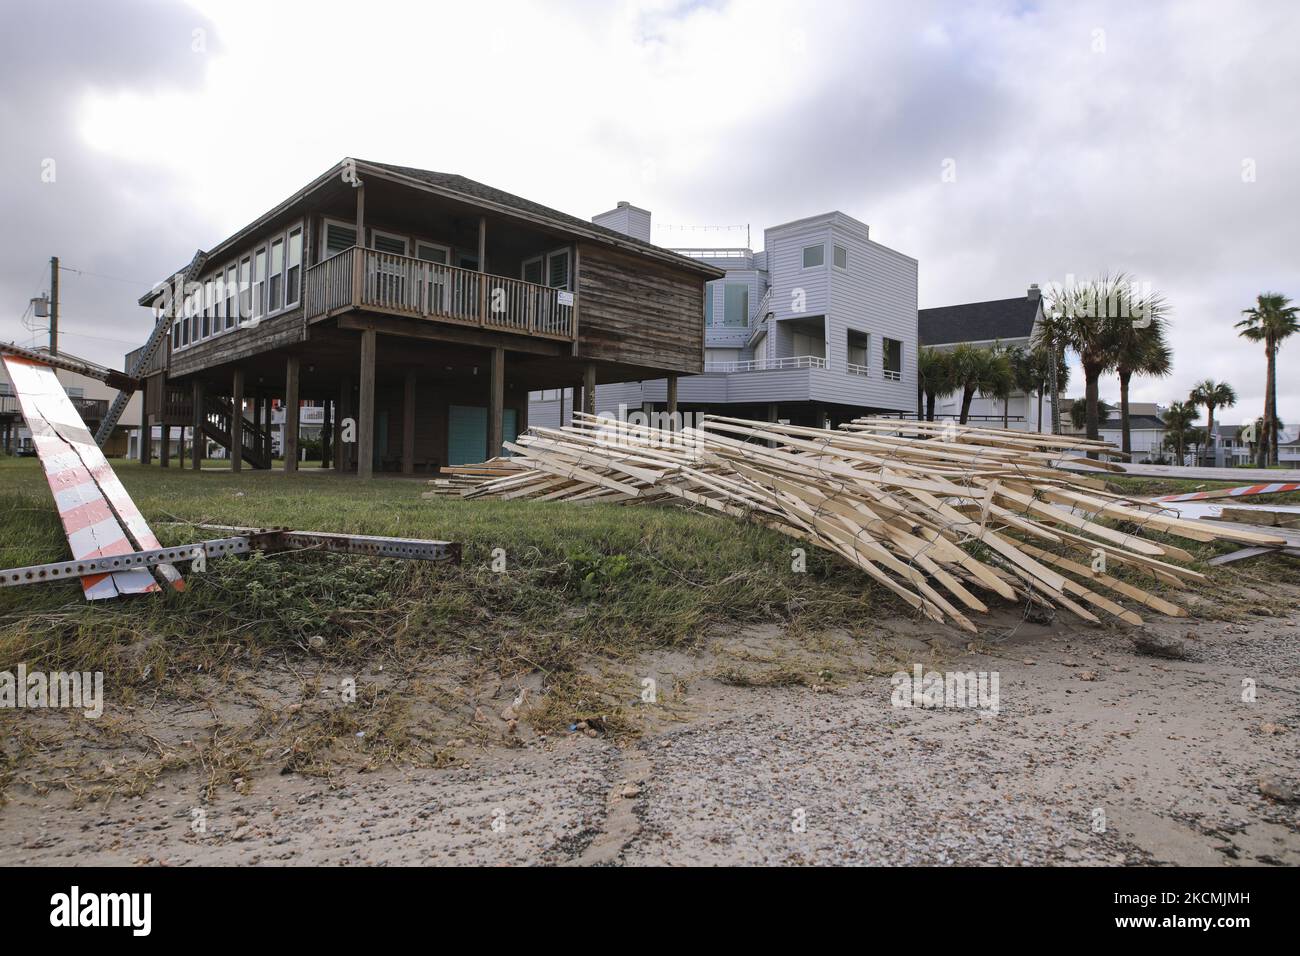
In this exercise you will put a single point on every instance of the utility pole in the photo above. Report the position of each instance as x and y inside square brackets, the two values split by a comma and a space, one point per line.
[54, 305]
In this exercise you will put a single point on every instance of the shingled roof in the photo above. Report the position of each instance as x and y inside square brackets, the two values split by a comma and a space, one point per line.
[978, 321]
[474, 190]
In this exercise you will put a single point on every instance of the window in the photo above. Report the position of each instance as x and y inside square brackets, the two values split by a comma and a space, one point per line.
[808, 343]
[232, 306]
[557, 269]
[75, 391]
[708, 306]
[209, 302]
[386, 242]
[735, 305]
[293, 268]
[338, 236]
[859, 352]
[176, 335]
[245, 287]
[275, 278]
[185, 322]
[531, 271]
[814, 256]
[892, 358]
[841, 257]
[259, 283]
[431, 252]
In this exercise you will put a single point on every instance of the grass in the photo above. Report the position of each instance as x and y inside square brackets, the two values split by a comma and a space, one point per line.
[579, 583]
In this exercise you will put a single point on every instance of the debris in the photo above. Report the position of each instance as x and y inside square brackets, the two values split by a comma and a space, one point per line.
[1271, 728]
[935, 512]
[1157, 645]
[1087, 675]
[1275, 788]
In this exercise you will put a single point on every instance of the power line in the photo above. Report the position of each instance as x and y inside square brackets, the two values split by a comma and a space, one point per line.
[101, 275]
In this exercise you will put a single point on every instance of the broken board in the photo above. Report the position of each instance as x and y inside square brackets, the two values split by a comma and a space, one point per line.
[98, 516]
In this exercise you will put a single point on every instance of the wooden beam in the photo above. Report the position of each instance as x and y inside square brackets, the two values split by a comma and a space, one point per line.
[165, 446]
[196, 440]
[589, 389]
[366, 408]
[146, 442]
[344, 451]
[441, 332]
[408, 425]
[237, 420]
[482, 269]
[291, 415]
[496, 401]
[672, 402]
[327, 435]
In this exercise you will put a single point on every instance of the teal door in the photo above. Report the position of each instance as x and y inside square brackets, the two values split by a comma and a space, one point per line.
[509, 427]
[466, 434]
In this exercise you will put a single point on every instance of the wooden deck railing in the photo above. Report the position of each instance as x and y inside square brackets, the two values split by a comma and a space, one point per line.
[401, 285]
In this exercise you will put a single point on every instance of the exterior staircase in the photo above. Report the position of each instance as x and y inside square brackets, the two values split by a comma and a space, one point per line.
[217, 415]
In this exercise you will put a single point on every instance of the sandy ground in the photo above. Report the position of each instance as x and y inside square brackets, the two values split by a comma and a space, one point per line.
[1096, 755]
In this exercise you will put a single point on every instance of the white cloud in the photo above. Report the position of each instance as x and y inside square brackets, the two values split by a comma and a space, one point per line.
[1069, 160]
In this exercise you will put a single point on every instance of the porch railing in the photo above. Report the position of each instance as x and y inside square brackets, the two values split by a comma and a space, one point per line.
[403, 285]
[764, 365]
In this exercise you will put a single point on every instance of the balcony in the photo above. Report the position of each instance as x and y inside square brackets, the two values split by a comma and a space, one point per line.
[763, 365]
[399, 285]
[90, 409]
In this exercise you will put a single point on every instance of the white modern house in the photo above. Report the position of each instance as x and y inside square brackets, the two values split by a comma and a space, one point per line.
[818, 327]
[1007, 323]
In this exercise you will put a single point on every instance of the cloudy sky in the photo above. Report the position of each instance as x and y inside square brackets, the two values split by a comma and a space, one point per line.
[1156, 138]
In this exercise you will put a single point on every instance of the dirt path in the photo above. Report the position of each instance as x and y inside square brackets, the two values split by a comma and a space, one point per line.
[1096, 755]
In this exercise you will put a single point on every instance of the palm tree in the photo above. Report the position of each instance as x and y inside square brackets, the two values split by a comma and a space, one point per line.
[1212, 395]
[1139, 348]
[1084, 319]
[935, 377]
[1079, 412]
[977, 369]
[1033, 373]
[1178, 418]
[1272, 319]
[1004, 378]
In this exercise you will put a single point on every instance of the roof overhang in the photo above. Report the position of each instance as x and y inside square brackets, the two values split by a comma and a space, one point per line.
[365, 170]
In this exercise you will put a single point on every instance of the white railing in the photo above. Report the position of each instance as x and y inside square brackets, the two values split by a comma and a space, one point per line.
[408, 286]
[731, 252]
[767, 365]
[854, 369]
[893, 376]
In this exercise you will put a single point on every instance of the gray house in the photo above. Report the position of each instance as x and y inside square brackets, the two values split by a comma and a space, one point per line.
[820, 326]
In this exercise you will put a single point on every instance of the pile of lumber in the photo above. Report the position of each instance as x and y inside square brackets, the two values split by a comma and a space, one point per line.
[940, 514]
[457, 480]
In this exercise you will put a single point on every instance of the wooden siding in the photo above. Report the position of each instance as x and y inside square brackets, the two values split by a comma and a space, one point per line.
[638, 312]
[243, 342]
